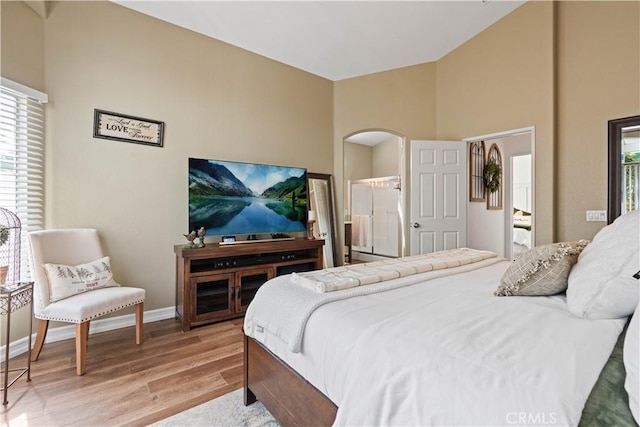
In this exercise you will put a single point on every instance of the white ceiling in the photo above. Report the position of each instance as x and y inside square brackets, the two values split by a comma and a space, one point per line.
[336, 39]
[370, 138]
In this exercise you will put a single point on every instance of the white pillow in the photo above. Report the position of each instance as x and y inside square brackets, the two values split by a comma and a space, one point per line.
[601, 284]
[631, 357]
[66, 280]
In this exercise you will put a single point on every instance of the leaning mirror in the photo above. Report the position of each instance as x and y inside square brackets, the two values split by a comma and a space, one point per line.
[624, 166]
[322, 204]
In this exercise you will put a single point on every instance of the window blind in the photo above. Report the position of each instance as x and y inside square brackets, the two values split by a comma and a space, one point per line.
[22, 160]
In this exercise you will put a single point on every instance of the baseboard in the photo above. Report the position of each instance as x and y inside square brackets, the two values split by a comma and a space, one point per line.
[101, 325]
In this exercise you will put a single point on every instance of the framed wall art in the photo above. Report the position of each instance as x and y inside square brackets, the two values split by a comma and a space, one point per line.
[476, 170]
[121, 127]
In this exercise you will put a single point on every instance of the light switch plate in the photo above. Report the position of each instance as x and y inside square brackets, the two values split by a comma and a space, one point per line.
[600, 216]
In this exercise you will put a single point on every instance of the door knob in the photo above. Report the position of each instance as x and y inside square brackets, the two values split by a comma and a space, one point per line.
[415, 225]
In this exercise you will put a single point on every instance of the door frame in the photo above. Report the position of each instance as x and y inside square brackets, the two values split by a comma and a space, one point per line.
[508, 243]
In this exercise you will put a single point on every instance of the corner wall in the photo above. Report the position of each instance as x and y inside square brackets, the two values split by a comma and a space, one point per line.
[598, 80]
[22, 44]
[217, 101]
[22, 60]
[401, 100]
[503, 79]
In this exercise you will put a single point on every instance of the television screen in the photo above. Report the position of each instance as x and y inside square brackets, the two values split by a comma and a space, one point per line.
[233, 198]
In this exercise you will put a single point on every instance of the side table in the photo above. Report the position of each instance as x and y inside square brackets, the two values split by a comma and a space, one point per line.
[13, 297]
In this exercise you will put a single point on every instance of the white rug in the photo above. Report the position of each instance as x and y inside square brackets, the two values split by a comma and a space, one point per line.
[225, 411]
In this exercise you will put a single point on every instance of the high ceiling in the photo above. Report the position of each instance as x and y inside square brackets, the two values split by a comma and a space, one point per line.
[336, 39]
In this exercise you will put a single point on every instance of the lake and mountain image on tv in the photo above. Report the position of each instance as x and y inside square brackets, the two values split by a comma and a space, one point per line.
[233, 198]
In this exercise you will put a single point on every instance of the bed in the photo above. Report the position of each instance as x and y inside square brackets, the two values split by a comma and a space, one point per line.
[437, 347]
[521, 232]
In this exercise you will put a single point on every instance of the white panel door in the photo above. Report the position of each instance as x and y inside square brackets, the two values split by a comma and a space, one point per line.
[438, 217]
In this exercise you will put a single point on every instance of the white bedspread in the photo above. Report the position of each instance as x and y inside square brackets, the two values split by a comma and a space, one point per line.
[448, 352]
[295, 303]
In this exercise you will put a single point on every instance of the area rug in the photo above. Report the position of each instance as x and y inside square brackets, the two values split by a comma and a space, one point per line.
[225, 411]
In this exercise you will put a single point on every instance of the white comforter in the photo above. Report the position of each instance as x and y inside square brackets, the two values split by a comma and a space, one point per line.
[448, 352]
[297, 301]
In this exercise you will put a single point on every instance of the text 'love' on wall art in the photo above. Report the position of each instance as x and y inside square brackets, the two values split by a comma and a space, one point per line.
[125, 128]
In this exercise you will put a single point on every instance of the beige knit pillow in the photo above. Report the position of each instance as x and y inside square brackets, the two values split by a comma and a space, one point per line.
[543, 270]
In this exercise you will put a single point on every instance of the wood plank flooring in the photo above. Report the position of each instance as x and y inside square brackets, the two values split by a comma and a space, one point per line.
[126, 384]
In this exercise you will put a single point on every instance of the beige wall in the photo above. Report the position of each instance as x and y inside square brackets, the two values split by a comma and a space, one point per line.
[21, 60]
[598, 80]
[217, 101]
[21, 44]
[386, 158]
[402, 101]
[358, 161]
[222, 102]
[502, 80]
[565, 68]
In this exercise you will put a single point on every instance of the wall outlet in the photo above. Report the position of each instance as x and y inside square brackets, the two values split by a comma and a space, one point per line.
[600, 216]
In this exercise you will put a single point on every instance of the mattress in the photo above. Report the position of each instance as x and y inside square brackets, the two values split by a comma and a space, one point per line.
[447, 352]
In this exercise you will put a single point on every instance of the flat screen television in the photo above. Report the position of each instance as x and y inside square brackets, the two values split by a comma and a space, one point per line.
[247, 199]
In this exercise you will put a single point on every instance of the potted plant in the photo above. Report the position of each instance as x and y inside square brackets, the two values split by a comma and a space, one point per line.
[4, 268]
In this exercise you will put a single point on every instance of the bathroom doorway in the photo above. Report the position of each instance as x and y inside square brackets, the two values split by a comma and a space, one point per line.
[373, 171]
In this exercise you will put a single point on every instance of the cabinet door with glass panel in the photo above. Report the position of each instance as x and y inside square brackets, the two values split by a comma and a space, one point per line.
[211, 296]
[247, 283]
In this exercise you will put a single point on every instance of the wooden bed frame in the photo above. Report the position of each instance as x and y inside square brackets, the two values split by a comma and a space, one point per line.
[291, 399]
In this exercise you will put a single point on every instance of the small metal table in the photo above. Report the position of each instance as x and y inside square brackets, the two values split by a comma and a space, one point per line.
[13, 297]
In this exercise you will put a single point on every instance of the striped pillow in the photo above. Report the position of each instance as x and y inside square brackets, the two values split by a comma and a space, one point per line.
[544, 270]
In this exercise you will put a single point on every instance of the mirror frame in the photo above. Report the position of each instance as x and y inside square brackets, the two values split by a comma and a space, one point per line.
[332, 216]
[615, 169]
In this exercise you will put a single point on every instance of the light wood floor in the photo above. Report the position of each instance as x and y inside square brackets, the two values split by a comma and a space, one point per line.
[127, 384]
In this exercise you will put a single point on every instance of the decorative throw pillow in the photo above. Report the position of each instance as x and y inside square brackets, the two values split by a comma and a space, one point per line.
[602, 284]
[541, 271]
[66, 280]
[631, 357]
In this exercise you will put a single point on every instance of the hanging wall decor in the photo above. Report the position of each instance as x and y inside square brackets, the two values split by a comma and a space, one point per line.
[476, 170]
[120, 127]
[493, 178]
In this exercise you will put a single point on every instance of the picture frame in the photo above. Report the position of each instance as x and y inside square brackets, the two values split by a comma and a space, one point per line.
[122, 127]
[477, 191]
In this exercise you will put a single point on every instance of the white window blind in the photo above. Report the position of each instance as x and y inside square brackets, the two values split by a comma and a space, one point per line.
[22, 160]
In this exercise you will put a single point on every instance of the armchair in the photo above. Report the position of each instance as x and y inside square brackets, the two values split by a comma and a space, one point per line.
[73, 247]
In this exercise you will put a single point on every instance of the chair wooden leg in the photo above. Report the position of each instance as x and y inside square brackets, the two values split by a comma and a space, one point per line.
[82, 331]
[139, 322]
[43, 326]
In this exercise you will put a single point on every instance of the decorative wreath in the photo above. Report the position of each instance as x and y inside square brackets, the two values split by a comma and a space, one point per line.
[492, 176]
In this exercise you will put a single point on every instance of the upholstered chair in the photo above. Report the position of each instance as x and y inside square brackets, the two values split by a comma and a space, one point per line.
[73, 247]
